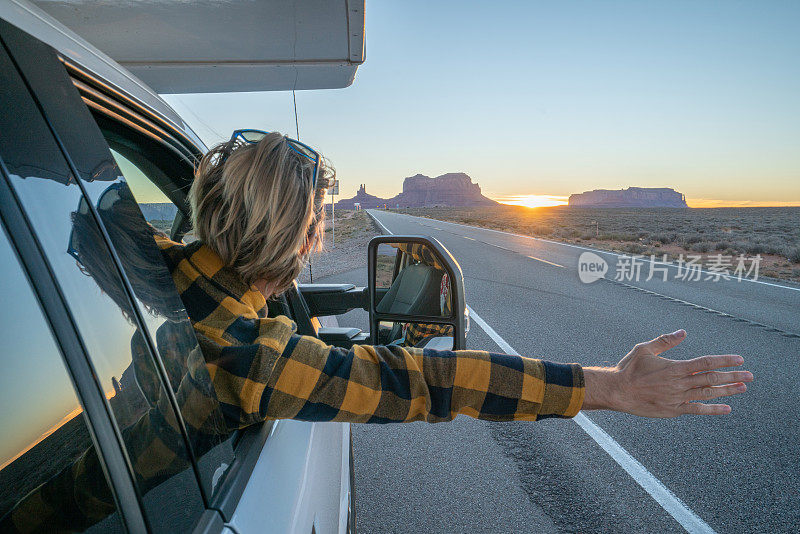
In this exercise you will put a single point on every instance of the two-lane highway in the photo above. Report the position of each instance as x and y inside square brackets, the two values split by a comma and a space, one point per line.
[611, 472]
[767, 302]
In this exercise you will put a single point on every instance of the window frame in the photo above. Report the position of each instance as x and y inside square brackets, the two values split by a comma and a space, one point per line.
[130, 116]
[56, 312]
[152, 168]
[250, 443]
[33, 62]
[138, 119]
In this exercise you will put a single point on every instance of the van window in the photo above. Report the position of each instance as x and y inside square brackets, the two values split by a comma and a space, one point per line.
[156, 207]
[45, 441]
[158, 177]
[168, 332]
[89, 279]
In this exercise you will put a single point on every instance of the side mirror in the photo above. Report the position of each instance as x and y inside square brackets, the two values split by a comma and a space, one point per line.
[416, 293]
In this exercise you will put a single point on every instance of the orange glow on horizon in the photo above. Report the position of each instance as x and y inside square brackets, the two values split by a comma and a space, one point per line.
[534, 201]
[715, 203]
[66, 419]
[546, 201]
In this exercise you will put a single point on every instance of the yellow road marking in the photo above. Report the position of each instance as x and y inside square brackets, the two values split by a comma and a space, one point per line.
[545, 261]
[465, 237]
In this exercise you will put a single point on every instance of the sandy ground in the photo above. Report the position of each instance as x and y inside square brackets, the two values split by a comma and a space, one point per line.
[354, 229]
[772, 233]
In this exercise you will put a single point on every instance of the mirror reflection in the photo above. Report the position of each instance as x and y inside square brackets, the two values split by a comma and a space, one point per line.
[411, 280]
[420, 335]
[50, 433]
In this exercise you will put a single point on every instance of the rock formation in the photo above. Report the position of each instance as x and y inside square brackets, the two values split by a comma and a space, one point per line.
[362, 197]
[420, 191]
[632, 197]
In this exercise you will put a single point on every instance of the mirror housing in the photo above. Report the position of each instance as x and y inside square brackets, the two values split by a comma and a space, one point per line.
[438, 259]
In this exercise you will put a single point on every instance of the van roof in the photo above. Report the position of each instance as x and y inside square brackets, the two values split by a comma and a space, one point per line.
[220, 47]
[267, 45]
[29, 18]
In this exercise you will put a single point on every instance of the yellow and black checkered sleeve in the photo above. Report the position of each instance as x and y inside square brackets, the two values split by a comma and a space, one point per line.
[417, 332]
[314, 381]
[261, 370]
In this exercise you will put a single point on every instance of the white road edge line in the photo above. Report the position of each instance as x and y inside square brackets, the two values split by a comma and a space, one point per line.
[670, 502]
[596, 250]
[654, 487]
[383, 228]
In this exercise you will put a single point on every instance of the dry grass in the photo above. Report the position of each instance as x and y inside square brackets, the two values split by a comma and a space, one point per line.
[774, 233]
[354, 229]
[349, 225]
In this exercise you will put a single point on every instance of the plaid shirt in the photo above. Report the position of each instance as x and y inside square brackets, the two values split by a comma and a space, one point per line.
[261, 369]
[414, 333]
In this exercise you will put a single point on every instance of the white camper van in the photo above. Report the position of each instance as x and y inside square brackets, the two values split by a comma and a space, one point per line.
[101, 431]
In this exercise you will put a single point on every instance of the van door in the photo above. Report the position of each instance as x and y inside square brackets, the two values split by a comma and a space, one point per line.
[107, 137]
[66, 227]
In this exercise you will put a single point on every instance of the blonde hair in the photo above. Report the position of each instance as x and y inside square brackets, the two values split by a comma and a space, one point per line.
[255, 206]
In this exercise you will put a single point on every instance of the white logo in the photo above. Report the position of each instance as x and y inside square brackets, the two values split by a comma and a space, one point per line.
[591, 267]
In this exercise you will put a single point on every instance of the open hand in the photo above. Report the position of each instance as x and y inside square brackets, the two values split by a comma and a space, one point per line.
[643, 383]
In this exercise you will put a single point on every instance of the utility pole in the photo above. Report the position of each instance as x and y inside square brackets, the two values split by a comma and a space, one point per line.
[334, 190]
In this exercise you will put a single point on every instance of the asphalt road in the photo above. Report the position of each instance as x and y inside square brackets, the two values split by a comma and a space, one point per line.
[735, 473]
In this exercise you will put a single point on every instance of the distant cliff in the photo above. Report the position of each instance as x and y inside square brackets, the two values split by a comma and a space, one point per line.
[632, 197]
[419, 191]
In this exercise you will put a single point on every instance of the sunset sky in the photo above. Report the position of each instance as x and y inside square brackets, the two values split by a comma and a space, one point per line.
[553, 98]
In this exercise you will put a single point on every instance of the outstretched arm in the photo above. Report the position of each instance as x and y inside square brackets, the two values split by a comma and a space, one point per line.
[285, 376]
[377, 384]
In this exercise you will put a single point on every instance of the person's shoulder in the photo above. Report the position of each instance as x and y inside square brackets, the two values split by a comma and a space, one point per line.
[173, 251]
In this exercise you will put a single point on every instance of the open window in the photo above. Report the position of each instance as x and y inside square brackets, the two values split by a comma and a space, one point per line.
[158, 177]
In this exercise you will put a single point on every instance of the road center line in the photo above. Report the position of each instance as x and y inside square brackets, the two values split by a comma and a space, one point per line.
[470, 238]
[670, 502]
[545, 261]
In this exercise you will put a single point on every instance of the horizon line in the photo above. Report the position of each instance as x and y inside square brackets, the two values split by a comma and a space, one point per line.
[544, 201]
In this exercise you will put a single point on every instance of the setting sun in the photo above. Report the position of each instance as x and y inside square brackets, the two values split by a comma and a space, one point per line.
[534, 201]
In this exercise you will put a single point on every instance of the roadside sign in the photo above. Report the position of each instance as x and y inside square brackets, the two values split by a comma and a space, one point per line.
[334, 188]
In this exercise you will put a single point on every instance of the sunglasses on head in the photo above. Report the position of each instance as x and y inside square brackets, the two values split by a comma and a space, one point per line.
[107, 199]
[252, 137]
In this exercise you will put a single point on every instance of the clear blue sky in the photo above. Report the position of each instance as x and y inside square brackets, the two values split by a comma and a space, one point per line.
[555, 98]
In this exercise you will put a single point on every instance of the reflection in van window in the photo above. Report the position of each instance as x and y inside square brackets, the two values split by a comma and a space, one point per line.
[156, 207]
[44, 430]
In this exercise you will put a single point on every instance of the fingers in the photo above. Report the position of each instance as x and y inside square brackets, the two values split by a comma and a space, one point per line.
[665, 342]
[705, 409]
[709, 363]
[716, 378]
[713, 392]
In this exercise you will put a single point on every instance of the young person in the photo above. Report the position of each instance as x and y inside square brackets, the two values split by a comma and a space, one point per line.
[257, 212]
